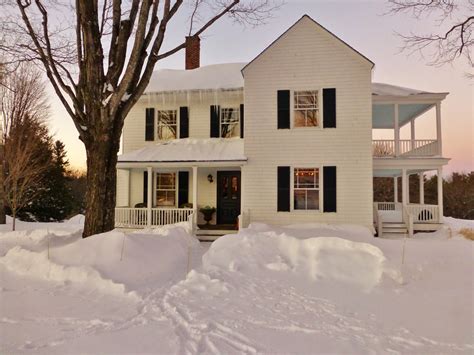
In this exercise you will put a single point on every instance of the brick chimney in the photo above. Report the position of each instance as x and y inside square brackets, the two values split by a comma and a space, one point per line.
[193, 52]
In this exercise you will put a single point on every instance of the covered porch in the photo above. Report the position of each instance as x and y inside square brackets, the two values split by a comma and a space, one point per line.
[171, 182]
[408, 211]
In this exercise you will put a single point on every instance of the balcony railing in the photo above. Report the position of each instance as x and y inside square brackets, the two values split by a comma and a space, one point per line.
[383, 148]
[128, 217]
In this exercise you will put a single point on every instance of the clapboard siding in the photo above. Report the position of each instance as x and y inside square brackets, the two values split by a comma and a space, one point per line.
[308, 57]
[198, 106]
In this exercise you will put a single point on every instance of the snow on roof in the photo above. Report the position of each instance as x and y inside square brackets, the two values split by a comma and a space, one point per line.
[209, 77]
[393, 90]
[189, 149]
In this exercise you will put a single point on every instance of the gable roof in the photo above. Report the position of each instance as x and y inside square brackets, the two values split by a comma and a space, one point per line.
[318, 24]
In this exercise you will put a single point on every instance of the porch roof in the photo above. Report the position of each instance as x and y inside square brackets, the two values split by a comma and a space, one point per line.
[190, 150]
[412, 103]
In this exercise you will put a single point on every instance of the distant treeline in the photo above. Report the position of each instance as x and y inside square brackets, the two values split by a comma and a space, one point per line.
[458, 193]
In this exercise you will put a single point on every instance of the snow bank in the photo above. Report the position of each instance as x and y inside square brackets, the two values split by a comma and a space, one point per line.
[77, 219]
[37, 265]
[328, 259]
[189, 149]
[209, 77]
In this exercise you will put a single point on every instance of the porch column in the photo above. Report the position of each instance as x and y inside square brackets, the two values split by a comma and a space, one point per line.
[149, 195]
[404, 186]
[422, 189]
[195, 195]
[396, 131]
[408, 189]
[412, 132]
[438, 128]
[395, 189]
[440, 194]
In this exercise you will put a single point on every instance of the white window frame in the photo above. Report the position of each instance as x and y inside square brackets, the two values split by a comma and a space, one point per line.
[236, 109]
[155, 188]
[157, 110]
[320, 109]
[292, 187]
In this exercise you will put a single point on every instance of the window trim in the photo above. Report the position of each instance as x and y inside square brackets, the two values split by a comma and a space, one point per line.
[178, 120]
[321, 109]
[292, 187]
[155, 187]
[236, 109]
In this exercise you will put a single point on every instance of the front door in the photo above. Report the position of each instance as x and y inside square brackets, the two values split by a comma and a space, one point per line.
[228, 197]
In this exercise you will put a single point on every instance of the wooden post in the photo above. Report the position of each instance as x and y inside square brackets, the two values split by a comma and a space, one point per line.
[195, 196]
[408, 189]
[438, 128]
[404, 187]
[422, 189]
[395, 189]
[149, 195]
[440, 194]
[412, 132]
[397, 131]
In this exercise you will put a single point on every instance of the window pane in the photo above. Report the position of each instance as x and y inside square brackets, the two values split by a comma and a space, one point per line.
[308, 178]
[300, 199]
[167, 125]
[306, 99]
[312, 118]
[165, 198]
[235, 187]
[312, 200]
[230, 122]
[300, 120]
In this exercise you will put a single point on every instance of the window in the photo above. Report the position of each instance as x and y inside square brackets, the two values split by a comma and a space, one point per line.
[306, 108]
[230, 122]
[166, 189]
[167, 125]
[306, 188]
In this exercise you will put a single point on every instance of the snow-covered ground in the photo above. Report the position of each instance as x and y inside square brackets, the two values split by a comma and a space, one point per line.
[297, 289]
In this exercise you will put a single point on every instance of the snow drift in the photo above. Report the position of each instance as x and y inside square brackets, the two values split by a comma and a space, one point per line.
[320, 259]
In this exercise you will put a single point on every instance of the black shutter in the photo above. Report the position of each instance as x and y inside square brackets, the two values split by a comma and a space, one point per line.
[183, 122]
[329, 108]
[215, 113]
[329, 188]
[150, 124]
[283, 188]
[183, 187]
[241, 120]
[145, 187]
[283, 109]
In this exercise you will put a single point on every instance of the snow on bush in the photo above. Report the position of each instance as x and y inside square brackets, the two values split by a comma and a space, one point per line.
[329, 259]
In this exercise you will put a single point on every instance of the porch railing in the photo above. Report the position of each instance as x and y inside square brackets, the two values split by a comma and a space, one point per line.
[388, 206]
[421, 147]
[424, 213]
[129, 217]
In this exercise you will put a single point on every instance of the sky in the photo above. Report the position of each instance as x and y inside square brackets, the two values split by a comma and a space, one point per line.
[362, 24]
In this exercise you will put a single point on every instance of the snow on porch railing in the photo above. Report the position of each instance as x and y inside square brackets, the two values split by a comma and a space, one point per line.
[424, 213]
[407, 147]
[129, 217]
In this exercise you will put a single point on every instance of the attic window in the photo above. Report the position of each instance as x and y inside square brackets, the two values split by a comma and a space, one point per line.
[230, 122]
[306, 108]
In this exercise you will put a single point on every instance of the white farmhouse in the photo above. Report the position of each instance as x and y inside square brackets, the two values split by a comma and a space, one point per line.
[286, 138]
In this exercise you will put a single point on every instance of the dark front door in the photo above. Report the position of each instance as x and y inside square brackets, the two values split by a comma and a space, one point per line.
[228, 197]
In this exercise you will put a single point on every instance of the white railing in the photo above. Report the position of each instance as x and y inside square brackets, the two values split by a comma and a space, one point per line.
[388, 206]
[406, 147]
[424, 213]
[129, 217]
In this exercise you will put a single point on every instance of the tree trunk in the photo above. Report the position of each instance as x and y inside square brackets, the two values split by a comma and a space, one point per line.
[101, 183]
[3, 218]
[14, 220]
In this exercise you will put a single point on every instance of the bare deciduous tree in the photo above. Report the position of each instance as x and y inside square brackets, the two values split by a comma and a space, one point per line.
[98, 79]
[455, 19]
[25, 136]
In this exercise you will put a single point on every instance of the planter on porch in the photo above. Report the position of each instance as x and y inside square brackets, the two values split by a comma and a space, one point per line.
[207, 213]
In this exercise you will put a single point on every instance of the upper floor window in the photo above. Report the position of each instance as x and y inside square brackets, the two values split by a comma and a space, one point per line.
[230, 122]
[166, 189]
[167, 125]
[306, 108]
[306, 188]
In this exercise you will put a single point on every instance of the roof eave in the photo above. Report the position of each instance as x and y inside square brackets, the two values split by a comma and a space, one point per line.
[416, 98]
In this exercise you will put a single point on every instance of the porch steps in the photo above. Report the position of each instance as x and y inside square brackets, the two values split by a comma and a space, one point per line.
[394, 229]
[210, 235]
